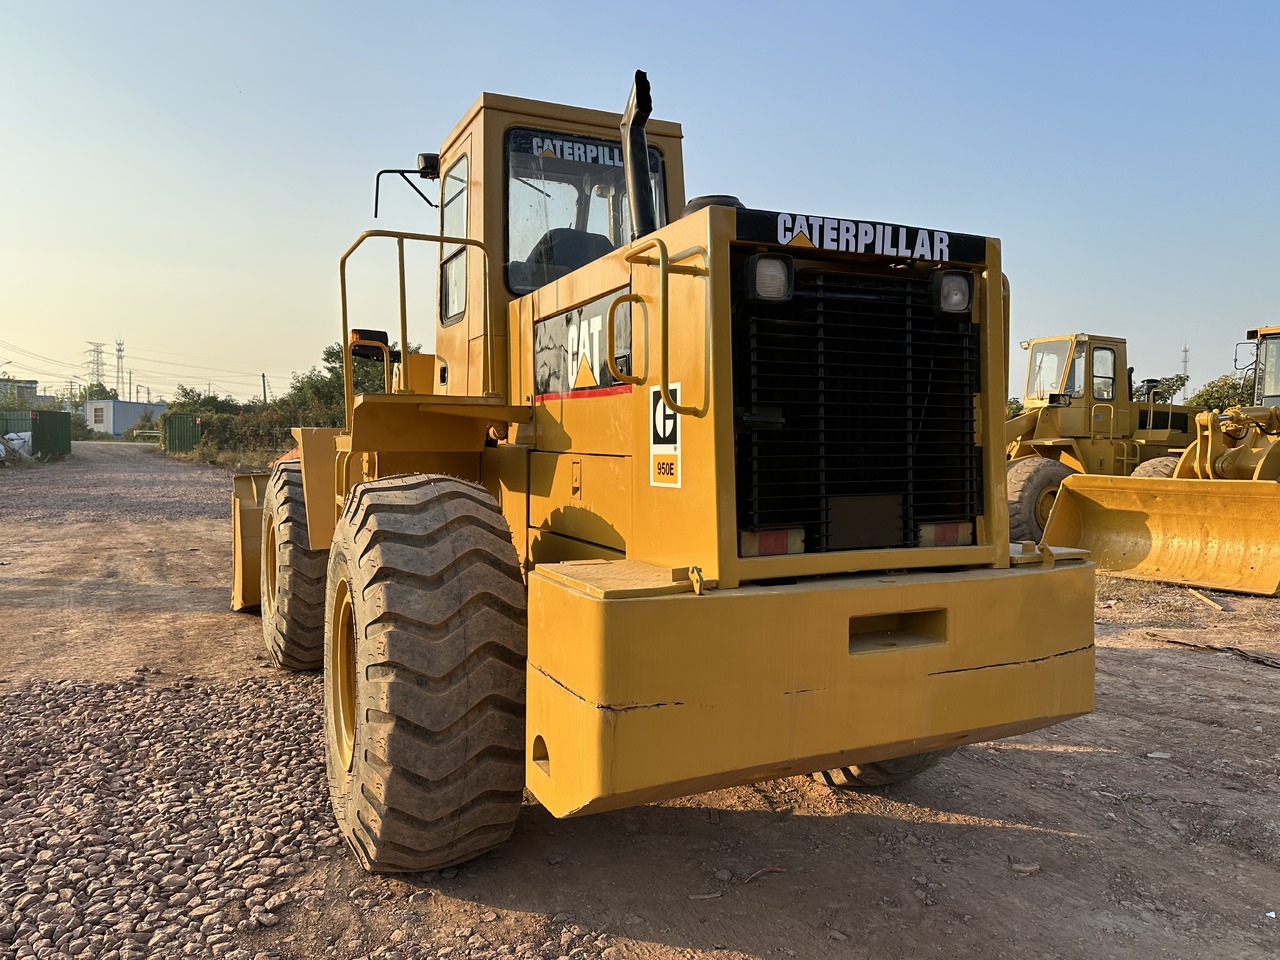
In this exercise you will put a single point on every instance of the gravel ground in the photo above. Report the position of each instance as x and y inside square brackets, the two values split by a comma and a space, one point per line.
[162, 791]
[99, 484]
[145, 820]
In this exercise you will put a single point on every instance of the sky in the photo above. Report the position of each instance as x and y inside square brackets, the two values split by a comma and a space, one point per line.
[183, 177]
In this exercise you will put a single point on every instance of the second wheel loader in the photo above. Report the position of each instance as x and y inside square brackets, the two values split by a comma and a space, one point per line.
[687, 496]
[1203, 518]
[1083, 414]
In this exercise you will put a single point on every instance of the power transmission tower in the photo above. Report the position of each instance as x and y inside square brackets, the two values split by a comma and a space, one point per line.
[94, 363]
[119, 367]
[1186, 379]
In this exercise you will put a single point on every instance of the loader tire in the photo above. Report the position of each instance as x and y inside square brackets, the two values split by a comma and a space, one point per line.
[882, 773]
[424, 673]
[1033, 486]
[292, 575]
[1159, 467]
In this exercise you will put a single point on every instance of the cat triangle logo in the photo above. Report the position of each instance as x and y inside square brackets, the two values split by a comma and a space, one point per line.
[547, 153]
[799, 240]
[585, 377]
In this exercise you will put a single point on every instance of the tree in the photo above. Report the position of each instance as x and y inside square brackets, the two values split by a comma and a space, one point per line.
[96, 391]
[1229, 390]
[191, 400]
[1012, 407]
[1170, 387]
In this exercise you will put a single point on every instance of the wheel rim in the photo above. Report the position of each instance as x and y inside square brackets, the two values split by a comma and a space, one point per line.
[1044, 504]
[342, 688]
[269, 563]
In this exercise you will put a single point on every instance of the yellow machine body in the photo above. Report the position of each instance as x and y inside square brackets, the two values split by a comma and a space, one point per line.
[1207, 524]
[636, 695]
[673, 649]
[1080, 410]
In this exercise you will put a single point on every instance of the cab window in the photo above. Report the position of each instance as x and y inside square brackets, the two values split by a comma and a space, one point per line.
[453, 256]
[1104, 373]
[567, 203]
[1075, 374]
[1267, 373]
[1044, 372]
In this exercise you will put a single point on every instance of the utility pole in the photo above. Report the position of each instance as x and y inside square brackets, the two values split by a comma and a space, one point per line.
[1186, 354]
[130, 393]
[264, 389]
[148, 394]
[95, 364]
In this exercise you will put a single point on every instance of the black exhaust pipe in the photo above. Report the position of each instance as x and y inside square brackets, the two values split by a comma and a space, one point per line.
[635, 158]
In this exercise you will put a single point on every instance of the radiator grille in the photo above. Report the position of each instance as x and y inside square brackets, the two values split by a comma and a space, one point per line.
[855, 412]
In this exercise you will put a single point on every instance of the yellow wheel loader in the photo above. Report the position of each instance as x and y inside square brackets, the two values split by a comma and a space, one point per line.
[1193, 519]
[1083, 414]
[688, 496]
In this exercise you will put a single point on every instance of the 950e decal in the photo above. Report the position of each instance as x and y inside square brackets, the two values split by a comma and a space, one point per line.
[664, 439]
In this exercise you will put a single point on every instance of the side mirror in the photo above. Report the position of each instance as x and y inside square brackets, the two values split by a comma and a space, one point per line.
[429, 166]
[1250, 357]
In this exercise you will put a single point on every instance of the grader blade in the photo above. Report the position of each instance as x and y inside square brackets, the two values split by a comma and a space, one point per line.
[1207, 533]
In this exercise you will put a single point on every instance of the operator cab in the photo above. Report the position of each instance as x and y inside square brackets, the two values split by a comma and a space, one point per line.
[1266, 391]
[1058, 370]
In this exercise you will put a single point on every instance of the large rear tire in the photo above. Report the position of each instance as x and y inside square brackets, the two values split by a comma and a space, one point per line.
[1033, 486]
[1159, 467]
[425, 648]
[292, 575]
[882, 773]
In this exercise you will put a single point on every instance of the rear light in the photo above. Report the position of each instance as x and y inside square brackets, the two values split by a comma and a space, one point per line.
[770, 543]
[945, 534]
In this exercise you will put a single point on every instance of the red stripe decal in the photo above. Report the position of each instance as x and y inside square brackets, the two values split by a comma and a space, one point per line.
[585, 392]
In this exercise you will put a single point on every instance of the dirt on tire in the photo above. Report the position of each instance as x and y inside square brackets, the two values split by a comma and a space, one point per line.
[1144, 831]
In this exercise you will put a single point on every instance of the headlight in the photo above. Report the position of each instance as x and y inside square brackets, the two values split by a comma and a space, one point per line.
[769, 278]
[951, 291]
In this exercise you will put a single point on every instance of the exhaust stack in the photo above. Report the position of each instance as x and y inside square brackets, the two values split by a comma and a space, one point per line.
[635, 158]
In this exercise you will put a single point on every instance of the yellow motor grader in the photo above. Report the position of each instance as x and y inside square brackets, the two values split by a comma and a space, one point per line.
[687, 496]
[1193, 519]
[1083, 414]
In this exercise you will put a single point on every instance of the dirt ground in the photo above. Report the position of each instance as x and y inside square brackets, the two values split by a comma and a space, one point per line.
[1146, 830]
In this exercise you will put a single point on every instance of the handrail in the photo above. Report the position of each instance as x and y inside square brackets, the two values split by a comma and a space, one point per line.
[1111, 424]
[666, 266]
[386, 358]
[609, 358]
[400, 237]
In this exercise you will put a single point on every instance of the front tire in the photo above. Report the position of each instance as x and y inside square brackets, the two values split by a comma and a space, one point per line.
[1033, 486]
[293, 575]
[882, 773]
[425, 647]
[1159, 467]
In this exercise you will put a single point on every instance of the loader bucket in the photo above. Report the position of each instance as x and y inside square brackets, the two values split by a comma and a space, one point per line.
[1207, 533]
[247, 490]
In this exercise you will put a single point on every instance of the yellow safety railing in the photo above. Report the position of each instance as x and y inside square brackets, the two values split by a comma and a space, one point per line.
[1111, 426]
[400, 238]
[667, 265]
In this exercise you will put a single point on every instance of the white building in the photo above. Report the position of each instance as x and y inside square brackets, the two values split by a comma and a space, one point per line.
[117, 416]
